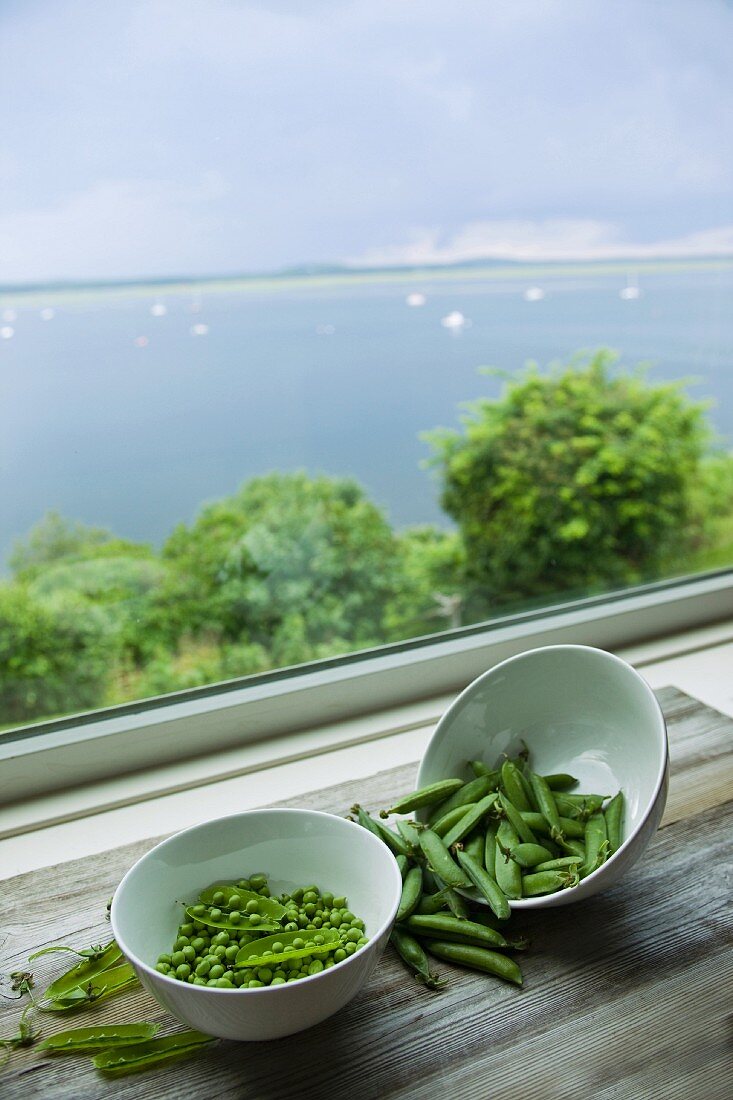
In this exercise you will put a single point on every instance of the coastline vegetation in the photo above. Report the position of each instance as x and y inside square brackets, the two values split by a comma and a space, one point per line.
[575, 481]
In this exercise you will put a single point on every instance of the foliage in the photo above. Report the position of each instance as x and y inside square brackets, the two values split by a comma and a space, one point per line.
[431, 591]
[298, 565]
[54, 539]
[579, 479]
[54, 655]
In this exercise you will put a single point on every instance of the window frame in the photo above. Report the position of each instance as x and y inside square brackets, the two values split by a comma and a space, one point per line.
[83, 749]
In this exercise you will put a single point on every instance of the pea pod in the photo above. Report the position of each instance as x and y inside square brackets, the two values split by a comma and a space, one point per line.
[83, 972]
[445, 927]
[486, 885]
[511, 781]
[474, 846]
[425, 796]
[479, 768]
[476, 958]
[413, 956]
[508, 873]
[546, 804]
[445, 823]
[470, 820]
[560, 781]
[614, 813]
[103, 1037]
[529, 855]
[472, 791]
[142, 1055]
[404, 865]
[516, 819]
[440, 860]
[596, 844]
[490, 849]
[409, 833]
[96, 951]
[103, 984]
[432, 903]
[263, 951]
[244, 922]
[237, 899]
[547, 882]
[562, 862]
[453, 900]
[570, 826]
[411, 894]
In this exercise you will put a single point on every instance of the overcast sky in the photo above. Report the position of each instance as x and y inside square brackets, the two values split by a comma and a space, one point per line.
[164, 137]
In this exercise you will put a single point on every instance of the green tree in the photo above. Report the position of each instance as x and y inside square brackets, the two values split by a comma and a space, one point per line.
[302, 566]
[431, 594]
[576, 479]
[54, 655]
[55, 539]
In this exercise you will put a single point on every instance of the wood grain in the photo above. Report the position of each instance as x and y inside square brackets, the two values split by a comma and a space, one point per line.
[627, 996]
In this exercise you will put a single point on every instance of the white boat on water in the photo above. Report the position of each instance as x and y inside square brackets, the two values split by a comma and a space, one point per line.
[534, 294]
[416, 299]
[631, 291]
[455, 321]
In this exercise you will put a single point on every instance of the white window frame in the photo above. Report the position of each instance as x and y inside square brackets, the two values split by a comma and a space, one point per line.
[56, 756]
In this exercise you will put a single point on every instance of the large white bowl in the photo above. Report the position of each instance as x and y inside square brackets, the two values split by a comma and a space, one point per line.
[579, 710]
[294, 848]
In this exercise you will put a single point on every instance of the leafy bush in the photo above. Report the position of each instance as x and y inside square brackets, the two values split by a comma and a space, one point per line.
[579, 479]
[54, 656]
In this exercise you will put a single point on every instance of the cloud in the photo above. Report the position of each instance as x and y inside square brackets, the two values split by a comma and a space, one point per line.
[103, 230]
[551, 239]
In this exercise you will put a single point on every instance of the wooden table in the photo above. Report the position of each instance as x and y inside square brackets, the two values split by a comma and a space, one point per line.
[625, 996]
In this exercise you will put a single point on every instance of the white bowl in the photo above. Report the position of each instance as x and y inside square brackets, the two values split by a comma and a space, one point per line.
[294, 848]
[579, 710]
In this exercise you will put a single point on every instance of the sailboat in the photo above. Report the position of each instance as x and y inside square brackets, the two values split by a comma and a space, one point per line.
[631, 291]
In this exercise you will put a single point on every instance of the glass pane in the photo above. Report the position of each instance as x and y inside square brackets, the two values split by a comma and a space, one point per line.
[256, 262]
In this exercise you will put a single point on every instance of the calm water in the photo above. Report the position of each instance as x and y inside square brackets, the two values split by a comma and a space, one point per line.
[340, 381]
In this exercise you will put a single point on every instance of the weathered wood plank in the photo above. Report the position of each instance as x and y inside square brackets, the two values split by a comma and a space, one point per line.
[625, 995]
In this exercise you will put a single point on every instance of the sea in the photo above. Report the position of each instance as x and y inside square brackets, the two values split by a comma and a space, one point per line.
[129, 409]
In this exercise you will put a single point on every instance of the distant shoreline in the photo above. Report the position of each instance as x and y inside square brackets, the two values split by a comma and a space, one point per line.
[32, 295]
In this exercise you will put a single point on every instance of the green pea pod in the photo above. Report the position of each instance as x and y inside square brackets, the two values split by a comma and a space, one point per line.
[546, 805]
[394, 841]
[476, 958]
[562, 862]
[486, 885]
[409, 833]
[571, 827]
[472, 791]
[102, 1037]
[511, 781]
[445, 927]
[479, 768]
[445, 823]
[411, 894]
[263, 951]
[268, 907]
[508, 873]
[415, 958]
[474, 846]
[516, 818]
[489, 860]
[425, 796]
[94, 952]
[228, 925]
[142, 1055]
[440, 860]
[104, 984]
[404, 865]
[529, 855]
[433, 903]
[547, 882]
[560, 781]
[457, 904]
[83, 972]
[614, 813]
[470, 820]
[596, 844]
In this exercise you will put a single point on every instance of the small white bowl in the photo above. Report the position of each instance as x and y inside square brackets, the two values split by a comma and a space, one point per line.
[578, 710]
[293, 848]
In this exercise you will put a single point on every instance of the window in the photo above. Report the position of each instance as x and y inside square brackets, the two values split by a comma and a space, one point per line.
[255, 257]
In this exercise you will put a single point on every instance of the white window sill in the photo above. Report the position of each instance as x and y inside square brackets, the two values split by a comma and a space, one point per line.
[104, 815]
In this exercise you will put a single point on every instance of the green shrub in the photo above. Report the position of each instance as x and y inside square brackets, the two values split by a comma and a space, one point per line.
[579, 479]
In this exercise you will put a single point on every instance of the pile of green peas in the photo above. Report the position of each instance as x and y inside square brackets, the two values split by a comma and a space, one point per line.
[205, 951]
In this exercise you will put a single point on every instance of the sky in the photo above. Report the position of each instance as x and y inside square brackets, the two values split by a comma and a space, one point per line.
[152, 138]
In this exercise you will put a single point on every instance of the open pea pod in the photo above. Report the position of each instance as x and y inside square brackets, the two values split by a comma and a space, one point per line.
[104, 984]
[142, 1055]
[77, 1040]
[266, 906]
[266, 924]
[279, 948]
[83, 972]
